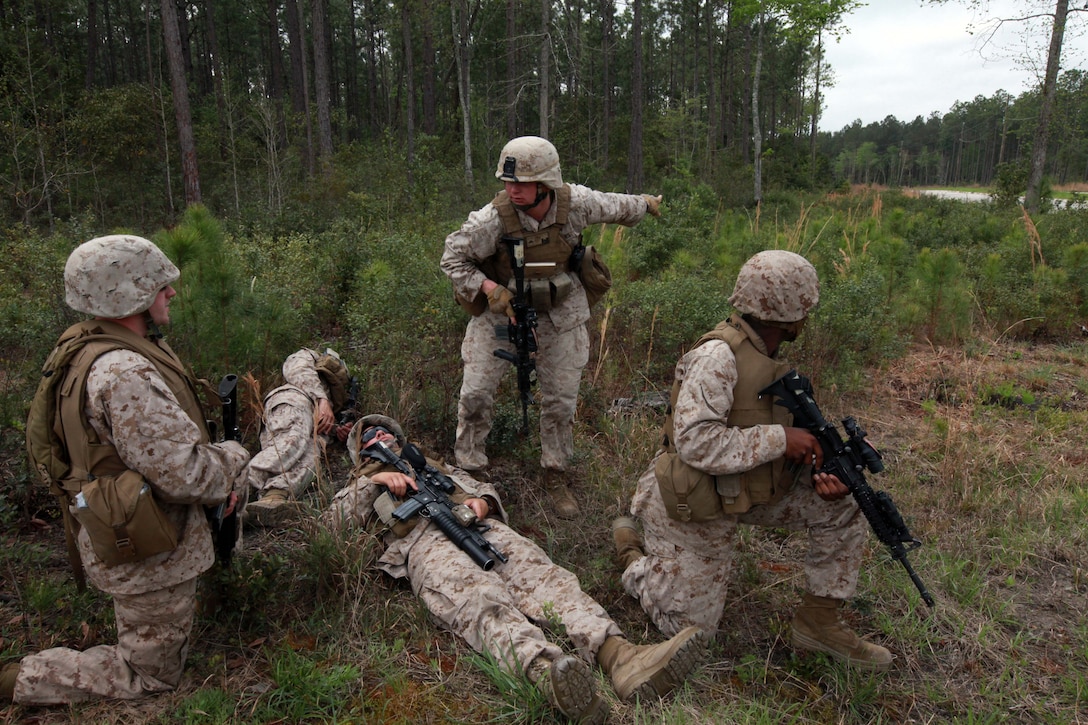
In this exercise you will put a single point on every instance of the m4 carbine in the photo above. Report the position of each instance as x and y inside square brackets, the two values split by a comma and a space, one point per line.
[848, 460]
[521, 332]
[431, 501]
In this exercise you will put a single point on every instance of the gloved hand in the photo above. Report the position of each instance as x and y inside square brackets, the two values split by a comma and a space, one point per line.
[499, 299]
[653, 204]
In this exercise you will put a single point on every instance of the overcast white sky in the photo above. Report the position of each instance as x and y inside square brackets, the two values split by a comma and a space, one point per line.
[905, 59]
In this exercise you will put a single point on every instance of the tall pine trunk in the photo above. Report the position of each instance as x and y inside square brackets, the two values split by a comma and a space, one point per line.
[322, 87]
[545, 65]
[634, 147]
[1050, 91]
[182, 114]
[459, 20]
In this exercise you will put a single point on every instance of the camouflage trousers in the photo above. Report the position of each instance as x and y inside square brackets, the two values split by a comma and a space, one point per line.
[560, 359]
[686, 573]
[290, 446]
[503, 612]
[152, 643]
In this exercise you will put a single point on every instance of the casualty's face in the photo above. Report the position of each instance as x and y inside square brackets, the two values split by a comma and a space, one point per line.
[377, 433]
[160, 308]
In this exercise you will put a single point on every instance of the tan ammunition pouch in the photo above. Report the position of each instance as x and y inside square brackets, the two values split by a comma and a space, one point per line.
[122, 519]
[547, 258]
[692, 495]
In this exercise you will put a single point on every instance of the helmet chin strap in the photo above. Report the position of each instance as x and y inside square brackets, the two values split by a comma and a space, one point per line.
[543, 193]
[153, 331]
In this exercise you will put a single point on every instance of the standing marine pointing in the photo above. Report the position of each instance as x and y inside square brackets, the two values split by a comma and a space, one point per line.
[548, 216]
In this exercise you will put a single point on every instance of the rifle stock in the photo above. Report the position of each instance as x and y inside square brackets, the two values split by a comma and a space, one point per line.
[848, 460]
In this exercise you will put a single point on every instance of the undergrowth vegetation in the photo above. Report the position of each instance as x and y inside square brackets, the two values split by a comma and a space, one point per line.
[953, 332]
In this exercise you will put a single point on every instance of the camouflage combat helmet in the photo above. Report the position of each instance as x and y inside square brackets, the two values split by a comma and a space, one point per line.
[530, 158]
[776, 286]
[116, 276]
[354, 442]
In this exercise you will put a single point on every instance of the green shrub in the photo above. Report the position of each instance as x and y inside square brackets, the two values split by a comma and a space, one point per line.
[658, 319]
[941, 298]
[852, 328]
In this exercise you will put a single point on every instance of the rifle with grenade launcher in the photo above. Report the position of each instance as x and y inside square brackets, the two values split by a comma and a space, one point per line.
[431, 500]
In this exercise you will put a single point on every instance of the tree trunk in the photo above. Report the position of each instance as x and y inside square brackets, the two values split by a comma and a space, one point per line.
[274, 91]
[409, 77]
[1050, 91]
[511, 70]
[757, 138]
[373, 120]
[297, 48]
[92, 44]
[815, 107]
[430, 104]
[608, 16]
[182, 114]
[459, 20]
[634, 146]
[545, 65]
[322, 89]
[352, 105]
[217, 78]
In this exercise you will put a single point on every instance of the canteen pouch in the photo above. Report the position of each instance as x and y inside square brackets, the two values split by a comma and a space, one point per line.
[595, 275]
[122, 519]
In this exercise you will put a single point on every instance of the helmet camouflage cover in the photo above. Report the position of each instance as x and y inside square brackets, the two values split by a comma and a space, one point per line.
[530, 158]
[116, 276]
[776, 286]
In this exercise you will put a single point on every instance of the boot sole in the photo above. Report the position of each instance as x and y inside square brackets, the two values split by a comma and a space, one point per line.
[804, 642]
[575, 692]
[269, 516]
[683, 662]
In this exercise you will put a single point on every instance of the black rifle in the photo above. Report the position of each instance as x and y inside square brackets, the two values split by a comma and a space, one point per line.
[432, 501]
[350, 411]
[521, 332]
[225, 528]
[848, 460]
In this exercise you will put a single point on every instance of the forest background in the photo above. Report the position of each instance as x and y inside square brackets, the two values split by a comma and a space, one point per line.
[327, 150]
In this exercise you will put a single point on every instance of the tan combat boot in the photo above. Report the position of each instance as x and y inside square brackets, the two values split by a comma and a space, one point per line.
[651, 671]
[570, 687]
[563, 503]
[8, 675]
[817, 627]
[273, 508]
[627, 542]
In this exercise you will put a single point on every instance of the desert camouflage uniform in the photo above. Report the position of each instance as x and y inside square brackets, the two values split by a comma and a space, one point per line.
[501, 611]
[130, 406]
[290, 446]
[563, 340]
[685, 575]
